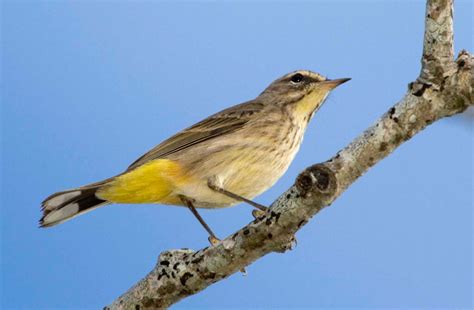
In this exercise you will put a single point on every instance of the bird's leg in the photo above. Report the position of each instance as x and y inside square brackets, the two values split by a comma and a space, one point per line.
[212, 237]
[256, 213]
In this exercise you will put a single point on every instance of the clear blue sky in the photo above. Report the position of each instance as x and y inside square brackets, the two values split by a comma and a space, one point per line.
[89, 86]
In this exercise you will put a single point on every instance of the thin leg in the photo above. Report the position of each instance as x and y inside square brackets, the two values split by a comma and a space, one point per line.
[218, 189]
[212, 237]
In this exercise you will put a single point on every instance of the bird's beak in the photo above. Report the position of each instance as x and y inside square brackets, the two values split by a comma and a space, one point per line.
[331, 84]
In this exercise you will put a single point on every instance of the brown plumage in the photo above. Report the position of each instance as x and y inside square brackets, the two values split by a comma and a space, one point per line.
[243, 150]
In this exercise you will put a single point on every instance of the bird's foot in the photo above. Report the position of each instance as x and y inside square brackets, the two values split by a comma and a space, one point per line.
[256, 213]
[213, 240]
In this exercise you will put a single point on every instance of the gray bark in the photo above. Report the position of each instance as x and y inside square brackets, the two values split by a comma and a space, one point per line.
[444, 88]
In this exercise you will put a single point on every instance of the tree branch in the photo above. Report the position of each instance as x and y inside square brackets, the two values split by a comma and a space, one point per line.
[438, 46]
[444, 88]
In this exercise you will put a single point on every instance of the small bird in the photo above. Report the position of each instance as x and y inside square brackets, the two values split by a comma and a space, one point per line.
[229, 157]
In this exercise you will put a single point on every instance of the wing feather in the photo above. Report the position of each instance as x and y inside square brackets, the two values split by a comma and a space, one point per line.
[221, 123]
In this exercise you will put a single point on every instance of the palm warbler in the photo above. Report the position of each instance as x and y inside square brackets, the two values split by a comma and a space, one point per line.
[229, 157]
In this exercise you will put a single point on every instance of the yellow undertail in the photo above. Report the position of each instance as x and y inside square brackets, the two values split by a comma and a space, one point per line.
[153, 182]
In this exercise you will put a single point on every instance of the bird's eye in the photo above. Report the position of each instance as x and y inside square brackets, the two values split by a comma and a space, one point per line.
[297, 78]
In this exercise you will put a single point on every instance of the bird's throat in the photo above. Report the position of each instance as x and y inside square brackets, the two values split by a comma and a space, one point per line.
[309, 104]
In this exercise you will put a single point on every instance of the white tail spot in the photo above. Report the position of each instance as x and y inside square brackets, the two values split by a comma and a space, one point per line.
[61, 214]
[54, 202]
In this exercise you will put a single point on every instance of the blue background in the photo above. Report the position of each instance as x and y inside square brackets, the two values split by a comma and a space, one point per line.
[89, 86]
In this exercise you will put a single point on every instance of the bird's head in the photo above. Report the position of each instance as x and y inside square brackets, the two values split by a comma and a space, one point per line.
[302, 91]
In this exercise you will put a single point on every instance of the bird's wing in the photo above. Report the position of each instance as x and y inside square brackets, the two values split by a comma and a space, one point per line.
[219, 124]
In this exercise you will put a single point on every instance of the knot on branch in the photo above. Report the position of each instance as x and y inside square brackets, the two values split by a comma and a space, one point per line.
[464, 64]
[317, 182]
[464, 60]
[418, 88]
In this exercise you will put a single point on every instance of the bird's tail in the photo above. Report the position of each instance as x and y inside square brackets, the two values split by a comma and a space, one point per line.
[63, 206]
